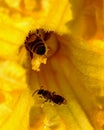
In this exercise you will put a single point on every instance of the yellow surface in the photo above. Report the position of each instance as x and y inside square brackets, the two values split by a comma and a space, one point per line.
[75, 70]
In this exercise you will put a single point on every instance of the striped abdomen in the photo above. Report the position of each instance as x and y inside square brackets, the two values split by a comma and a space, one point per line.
[37, 46]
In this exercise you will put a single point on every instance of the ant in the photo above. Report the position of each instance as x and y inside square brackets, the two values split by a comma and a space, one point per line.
[50, 96]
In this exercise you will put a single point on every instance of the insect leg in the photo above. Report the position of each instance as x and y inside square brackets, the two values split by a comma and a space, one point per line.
[31, 55]
[45, 100]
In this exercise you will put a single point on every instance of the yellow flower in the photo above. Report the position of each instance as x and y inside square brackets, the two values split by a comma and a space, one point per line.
[73, 66]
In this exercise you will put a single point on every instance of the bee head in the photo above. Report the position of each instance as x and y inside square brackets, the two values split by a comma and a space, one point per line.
[41, 91]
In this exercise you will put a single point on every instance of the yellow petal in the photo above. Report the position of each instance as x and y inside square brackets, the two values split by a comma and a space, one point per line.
[74, 69]
[17, 117]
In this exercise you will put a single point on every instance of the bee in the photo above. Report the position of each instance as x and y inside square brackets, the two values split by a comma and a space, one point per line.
[50, 96]
[35, 42]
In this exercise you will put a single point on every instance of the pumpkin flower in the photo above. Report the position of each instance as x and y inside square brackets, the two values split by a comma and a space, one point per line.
[72, 66]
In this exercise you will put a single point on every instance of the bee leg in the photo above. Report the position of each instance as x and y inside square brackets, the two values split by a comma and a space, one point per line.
[31, 55]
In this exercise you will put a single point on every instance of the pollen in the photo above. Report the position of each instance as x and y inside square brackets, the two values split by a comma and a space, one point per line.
[37, 61]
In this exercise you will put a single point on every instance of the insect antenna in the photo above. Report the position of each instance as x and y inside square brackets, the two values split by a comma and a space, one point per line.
[36, 91]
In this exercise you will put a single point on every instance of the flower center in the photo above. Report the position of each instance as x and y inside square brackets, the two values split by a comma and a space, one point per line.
[40, 46]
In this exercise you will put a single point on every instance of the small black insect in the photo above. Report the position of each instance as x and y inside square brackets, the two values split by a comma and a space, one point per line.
[50, 96]
[35, 42]
[58, 99]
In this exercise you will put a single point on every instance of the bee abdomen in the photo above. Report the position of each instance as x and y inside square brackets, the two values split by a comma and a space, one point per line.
[37, 46]
[40, 49]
